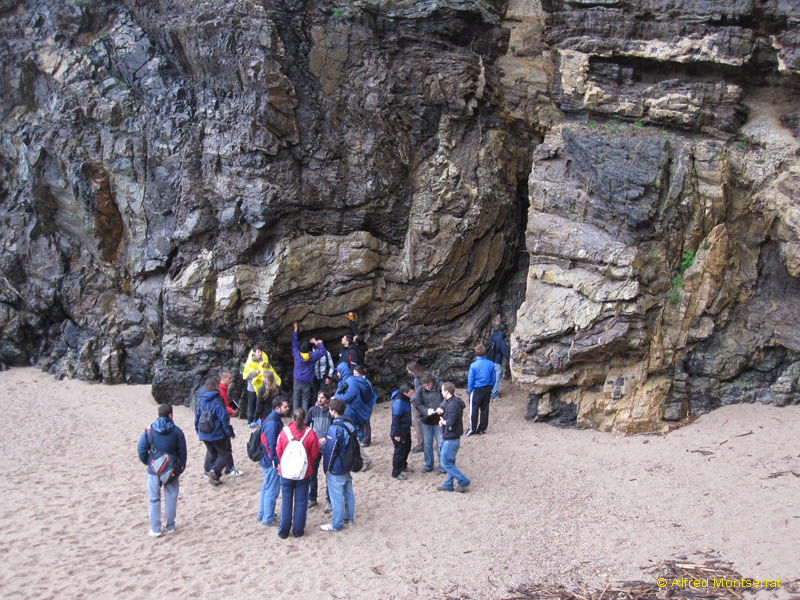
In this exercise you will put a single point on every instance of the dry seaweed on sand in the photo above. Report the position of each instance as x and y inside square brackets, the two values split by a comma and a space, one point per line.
[668, 570]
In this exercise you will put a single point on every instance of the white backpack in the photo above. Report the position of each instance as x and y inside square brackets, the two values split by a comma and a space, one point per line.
[294, 462]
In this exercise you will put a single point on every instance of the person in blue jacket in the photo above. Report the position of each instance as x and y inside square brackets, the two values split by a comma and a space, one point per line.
[271, 487]
[359, 397]
[339, 479]
[401, 430]
[501, 351]
[218, 440]
[169, 439]
[303, 373]
[480, 380]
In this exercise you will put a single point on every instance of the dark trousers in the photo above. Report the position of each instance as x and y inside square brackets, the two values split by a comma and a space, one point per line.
[366, 433]
[301, 395]
[209, 463]
[314, 483]
[401, 450]
[479, 402]
[252, 406]
[218, 455]
[293, 492]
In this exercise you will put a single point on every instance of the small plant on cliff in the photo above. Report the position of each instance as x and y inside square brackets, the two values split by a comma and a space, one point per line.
[513, 49]
[79, 3]
[740, 145]
[337, 12]
[677, 281]
[706, 245]
[637, 124]
[592, 125]
[687, 261]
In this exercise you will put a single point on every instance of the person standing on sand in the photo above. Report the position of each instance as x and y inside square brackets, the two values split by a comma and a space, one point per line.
[294, 492]
[359, 398]
[480, 380]
[452, 427]
[500, 351]
[304, 360]
[427, 400]
[415, 372]
[319, 417]
[211, 412]
[165, 437]
[271, 486]
[340, 481]
[401, 430]
[254, 369]
[225, 378]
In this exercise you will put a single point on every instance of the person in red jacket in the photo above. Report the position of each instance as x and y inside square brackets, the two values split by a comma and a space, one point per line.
[294, 492]
[225, 378]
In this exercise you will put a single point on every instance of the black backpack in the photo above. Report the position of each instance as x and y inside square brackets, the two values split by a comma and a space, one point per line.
[206, 422]
[352, 460]
[254, 448]
[491, 349]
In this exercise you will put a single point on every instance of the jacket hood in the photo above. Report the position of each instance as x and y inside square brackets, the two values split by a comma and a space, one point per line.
[163, 425]
[207, 397]
[344, 370]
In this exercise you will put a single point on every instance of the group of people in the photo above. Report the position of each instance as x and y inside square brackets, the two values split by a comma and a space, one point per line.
[323, 433]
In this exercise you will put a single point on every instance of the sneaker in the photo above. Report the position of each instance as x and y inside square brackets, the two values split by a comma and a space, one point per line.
[258, 423]
[442, 471]
[207, 473]
[346, 522]
[367, 463]
[469, 433]
[416, 450]
[400, 477]
[408, 470]
[427, 469]
[214, 479]
[327, 527]
[461, 488]
[172, 530]
[152, 533]
[273, 523]
[312, 503]
[328, 508]
[236, 472]
[441, 488]
[250, 424]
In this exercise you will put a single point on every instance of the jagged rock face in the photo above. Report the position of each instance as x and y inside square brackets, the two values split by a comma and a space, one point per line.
[663, 264]
[182, 180]
[618, 181]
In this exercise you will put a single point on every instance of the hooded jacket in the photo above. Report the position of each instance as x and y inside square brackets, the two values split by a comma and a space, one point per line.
[168, 438]
[270, 430]
[401, 414]
[425, 399]
[359, 398]
[311, 444]
[222, 424]
[304, 365]
[501, 348]
[336, 445]
[253, 371]
[453, 411]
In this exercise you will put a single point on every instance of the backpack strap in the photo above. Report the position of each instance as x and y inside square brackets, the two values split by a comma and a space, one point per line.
[305, 434]
[288, 433]
[151, 445]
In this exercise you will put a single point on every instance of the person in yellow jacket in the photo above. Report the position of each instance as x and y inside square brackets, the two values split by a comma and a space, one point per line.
[257, 364]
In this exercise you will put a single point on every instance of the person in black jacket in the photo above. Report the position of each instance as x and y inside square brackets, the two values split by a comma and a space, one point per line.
[401, 430]
[452, 430]
[166, 437]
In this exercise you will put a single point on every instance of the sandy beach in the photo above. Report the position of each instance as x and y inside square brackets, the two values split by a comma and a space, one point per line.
[574, 507]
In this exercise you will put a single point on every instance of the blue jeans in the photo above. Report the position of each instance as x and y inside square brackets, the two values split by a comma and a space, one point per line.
[343, 501]
[170, 501]
[429, 433]
[498, 373]
[447, 458]
[269, 495]
[293, 491]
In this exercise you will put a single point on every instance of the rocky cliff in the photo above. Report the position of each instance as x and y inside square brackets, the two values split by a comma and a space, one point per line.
[617, 180]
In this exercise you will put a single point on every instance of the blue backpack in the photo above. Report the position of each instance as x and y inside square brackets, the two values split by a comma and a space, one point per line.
[163, 465]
